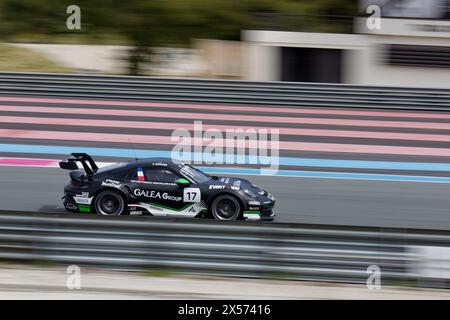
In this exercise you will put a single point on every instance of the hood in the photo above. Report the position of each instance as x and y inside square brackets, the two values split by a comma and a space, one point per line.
[235, 182]
[241, 184]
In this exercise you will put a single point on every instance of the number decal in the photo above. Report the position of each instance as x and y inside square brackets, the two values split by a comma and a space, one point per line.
[191, 195]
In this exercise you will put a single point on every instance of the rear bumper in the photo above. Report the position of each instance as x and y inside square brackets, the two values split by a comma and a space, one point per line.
[69, 203]
[76, 204]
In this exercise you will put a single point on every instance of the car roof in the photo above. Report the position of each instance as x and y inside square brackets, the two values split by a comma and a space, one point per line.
[155, 161]
[140, 162]
[152, 162]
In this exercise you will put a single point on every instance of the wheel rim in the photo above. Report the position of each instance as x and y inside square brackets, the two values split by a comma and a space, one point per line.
[109, 204]
[227, 208]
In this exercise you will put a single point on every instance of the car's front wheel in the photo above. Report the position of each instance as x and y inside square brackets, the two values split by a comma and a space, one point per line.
[109, 203]
[226, 207]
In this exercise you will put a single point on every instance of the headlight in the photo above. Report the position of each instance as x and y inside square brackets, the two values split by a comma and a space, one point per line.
[250, 193]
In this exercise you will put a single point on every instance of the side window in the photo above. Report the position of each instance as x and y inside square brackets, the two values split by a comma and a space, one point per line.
[156, 174]
[126, 174]
[132, 175]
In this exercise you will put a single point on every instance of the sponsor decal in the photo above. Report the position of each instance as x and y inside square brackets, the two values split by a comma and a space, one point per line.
[111, 183]
[140, 174]
[223, 187]
[153, 194]
[139, 207]
[83, 198]
[136, 213]
[237, 183]
[187, 171]
[159, 164]
[157, 183]
[226, 180]
[217, 187]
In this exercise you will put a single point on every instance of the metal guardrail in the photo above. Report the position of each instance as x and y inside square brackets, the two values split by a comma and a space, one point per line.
[223, 91]
[240, 248]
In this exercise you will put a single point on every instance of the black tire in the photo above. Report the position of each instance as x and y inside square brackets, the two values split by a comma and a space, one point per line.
[109, 203]
[226, 207]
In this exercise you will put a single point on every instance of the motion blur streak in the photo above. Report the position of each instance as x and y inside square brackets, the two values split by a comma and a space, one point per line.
[319, 134]
[226, 108]
[46, 163]
[285, 161]
[142, 112]
[228, 117]
[166, 140]
[169, 125]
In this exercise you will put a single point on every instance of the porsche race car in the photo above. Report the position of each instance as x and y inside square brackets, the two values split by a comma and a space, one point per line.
[161, 187]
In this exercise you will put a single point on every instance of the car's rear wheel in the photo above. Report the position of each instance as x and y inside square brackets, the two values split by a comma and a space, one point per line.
[109, 203]
[226, 207]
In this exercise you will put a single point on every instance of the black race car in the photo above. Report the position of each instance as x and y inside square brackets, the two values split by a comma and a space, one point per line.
[161, 187]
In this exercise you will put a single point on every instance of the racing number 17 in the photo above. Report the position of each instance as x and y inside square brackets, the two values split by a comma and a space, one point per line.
[191, 195]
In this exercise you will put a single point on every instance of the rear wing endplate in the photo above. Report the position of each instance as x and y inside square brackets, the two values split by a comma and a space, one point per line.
[70, 163]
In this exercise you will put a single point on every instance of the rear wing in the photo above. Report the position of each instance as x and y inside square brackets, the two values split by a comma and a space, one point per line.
[70, 163]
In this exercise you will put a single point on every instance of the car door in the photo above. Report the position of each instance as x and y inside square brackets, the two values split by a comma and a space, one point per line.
[157, 191]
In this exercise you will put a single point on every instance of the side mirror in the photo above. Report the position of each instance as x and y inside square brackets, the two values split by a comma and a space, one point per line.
[182, 182]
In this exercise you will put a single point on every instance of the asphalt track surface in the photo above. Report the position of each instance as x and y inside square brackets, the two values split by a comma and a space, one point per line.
[299, 200]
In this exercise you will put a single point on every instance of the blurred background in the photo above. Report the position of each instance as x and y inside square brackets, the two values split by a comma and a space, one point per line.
[333, 41]
[158, 37]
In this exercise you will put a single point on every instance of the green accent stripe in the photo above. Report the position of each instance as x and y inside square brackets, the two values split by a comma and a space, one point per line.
[84, 208]
[252, 212]
[169, 208]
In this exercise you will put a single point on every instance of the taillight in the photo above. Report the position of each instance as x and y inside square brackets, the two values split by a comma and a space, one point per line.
[75, 183]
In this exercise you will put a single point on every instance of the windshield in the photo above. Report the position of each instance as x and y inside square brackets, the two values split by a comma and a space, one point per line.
[194, 174]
